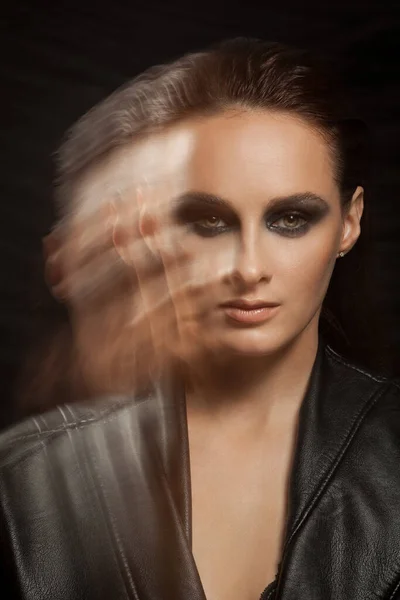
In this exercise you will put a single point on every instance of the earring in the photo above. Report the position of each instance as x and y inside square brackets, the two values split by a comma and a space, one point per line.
[340, 255]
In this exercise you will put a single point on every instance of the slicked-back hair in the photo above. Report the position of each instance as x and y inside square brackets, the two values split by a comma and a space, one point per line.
[240, 73]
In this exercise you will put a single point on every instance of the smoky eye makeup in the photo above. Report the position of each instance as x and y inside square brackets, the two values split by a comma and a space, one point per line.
[204, 214]
[295, 215]
[208, 215]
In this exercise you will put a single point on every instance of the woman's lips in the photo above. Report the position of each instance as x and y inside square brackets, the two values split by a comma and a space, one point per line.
[249, 314]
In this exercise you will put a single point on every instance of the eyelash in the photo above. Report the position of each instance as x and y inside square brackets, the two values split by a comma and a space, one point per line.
[206, 231]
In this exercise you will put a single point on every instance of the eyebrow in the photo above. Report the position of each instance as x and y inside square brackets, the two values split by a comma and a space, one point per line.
[279, 203]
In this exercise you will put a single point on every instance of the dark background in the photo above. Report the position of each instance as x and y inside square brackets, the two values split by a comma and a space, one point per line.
[57, 60]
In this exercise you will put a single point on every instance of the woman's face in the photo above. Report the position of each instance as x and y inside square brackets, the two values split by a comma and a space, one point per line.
[259, 212]
[260, 199]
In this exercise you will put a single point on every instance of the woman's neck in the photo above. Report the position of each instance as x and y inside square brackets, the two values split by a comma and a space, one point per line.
[252, 392]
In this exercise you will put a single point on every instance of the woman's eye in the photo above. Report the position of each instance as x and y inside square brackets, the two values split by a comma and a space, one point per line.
[209, 226]
[290, 223]
[211, 222]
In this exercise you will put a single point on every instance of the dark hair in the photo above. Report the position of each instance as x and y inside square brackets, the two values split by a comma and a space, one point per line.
[239, 73]
[248, 74]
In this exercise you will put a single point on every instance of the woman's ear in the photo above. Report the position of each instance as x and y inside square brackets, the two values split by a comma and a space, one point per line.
[50, 244]
[352, 221]
[53, 272]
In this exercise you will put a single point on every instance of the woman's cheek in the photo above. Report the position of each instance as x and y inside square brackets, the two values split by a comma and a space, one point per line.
[307, 267]
[211, 258]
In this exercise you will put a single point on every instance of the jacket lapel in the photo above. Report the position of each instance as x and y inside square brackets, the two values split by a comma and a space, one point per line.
[167, 426]
[331, 412]
[338, 398]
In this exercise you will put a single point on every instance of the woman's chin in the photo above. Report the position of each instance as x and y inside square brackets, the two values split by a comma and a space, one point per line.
[249, 343]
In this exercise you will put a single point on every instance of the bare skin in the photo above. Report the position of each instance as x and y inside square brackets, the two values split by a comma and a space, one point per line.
[241, 458]
[259, 217]
[240, 467]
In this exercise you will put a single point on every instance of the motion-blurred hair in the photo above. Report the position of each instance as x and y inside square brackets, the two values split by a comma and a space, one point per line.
[246, 74]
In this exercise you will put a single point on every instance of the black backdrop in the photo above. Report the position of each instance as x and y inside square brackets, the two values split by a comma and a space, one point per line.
[58, 59]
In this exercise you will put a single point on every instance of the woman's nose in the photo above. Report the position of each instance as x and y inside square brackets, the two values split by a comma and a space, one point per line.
[251, 265]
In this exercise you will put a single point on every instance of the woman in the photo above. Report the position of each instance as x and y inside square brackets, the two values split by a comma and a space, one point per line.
[230, 449]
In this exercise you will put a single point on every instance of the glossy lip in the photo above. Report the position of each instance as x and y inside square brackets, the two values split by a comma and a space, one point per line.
[249, 312]
[249, 304]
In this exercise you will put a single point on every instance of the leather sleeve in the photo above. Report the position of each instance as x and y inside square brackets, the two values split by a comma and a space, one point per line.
[9, 587]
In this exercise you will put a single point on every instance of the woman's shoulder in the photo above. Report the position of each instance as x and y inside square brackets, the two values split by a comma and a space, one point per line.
[62, 425]
[380, 392]
[354, 369]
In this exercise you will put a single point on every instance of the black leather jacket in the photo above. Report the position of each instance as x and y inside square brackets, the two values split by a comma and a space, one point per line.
[95, 499]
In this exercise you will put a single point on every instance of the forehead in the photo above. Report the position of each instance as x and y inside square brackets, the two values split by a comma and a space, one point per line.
[253, 153]
[237, 155]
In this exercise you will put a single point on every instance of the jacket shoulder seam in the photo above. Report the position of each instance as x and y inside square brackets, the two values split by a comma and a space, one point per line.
[339, 359]
[44, 435]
